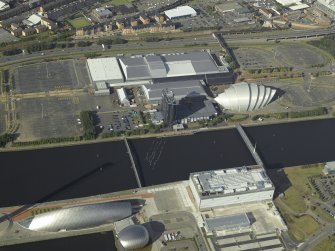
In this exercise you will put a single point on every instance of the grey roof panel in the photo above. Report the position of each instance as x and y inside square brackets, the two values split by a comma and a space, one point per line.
[226, 222]
[138, 72]
[205, 67]
[135, 61]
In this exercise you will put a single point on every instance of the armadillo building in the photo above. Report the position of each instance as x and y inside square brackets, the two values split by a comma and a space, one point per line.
[243, 97]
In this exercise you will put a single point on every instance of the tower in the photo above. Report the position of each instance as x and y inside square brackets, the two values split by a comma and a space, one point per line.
[168, 107]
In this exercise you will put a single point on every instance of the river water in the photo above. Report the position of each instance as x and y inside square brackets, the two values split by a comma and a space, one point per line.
[69, 172]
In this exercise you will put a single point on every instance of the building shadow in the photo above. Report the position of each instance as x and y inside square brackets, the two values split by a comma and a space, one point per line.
[279, 179]
[155, 229]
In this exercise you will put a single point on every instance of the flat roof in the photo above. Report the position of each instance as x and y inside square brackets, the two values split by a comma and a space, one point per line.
[180, 89]
[288, 2]
[229, 181]
[299, 6]
[168, 65]
[228, 222]
[180, 11]
[103, 69]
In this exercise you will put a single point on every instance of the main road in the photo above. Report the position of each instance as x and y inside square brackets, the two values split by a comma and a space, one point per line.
[278, 34]
[118, 48]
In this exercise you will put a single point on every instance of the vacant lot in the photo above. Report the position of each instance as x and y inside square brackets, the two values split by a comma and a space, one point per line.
[79, 22]
[297, 55]
[255, 58]
[49, 76]
[50, 117]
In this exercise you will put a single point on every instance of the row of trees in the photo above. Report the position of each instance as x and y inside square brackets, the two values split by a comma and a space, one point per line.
[326, 43]
[300, 114]
[46, 141]
[109, 41]
[87, 121]
[6, 138]
[270, 70]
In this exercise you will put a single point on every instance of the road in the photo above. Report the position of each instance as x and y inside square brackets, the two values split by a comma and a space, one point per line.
[118, 48]
[279, 35]
[320, 235]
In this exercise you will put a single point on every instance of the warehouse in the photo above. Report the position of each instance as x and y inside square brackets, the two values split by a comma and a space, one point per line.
[180, 12]
[327, 6]
[168, 65]
[181, 89]
[105, 70]
[226, 187]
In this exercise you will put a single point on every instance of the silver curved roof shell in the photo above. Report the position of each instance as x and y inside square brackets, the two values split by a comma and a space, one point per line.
[243, 97]
[134, 237]
[79, 217]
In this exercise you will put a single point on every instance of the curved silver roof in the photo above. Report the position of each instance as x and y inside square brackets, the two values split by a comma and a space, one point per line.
[79, 217]
[242, 97]
[134, 237]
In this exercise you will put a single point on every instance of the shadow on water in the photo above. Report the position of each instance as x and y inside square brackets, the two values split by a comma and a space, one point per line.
[61, 189]
[137, 161]
[279, 179]
[100, 241]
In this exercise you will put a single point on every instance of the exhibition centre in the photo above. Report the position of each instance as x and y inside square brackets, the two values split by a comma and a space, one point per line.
[138, 70]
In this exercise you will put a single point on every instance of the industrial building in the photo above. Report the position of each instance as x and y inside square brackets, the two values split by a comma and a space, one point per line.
[180, 12]
[293, 4]
[79, 217]
[243, 97]
[168, 65]
[173, 67]
[180, 89]
[104, 71]
[327, 6]
[226, 187]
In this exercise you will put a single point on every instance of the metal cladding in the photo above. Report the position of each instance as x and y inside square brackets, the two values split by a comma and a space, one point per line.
[134, 237]
[79, 217]
[242, 97]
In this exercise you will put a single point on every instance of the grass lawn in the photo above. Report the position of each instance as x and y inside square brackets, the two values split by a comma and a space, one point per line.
[120, 2]
[301, 227]
[326, 245]
[79, 22]
[323, 214]
[299, 176]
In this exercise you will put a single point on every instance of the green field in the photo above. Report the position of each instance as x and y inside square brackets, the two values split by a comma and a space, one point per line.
[293, 204]
[120, 2]
[326, 245]
[79, 22]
